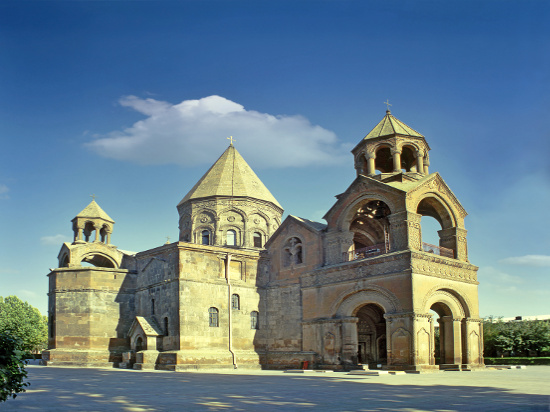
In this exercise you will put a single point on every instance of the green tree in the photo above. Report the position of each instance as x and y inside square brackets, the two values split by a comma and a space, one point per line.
[12, 367]
[517, 337]
[25, 322]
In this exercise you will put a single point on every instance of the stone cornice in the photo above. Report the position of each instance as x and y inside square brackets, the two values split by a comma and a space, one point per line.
[441, 267]
[359, 269]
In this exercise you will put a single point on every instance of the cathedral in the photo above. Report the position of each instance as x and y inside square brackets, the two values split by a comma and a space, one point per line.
[244, 288]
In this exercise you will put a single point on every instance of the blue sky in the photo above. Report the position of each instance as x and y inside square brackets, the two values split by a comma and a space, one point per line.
[128, 100]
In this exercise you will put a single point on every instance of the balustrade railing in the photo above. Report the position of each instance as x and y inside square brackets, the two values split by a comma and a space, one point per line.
[438, 250]
[365, 252]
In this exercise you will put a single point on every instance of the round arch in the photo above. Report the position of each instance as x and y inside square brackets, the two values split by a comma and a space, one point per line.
[346, 217]
[236, 210]
[351, 301]
[457, 305]
[433, 205]
[262, 214]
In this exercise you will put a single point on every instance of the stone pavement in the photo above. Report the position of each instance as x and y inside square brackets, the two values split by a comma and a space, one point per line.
[71, 389]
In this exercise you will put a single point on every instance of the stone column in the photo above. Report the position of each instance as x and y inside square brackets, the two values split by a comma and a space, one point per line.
[371, 167]
[451, 342]
[426, 166]
[472, 342]
[457, 342]
[217, 241]
[454, 238]
[349, 341]
[405, 231]
[420, 161]
[396, 160]
[337, 243]
[79, 235]
[96, 234]
[359, 165]
[246, 240]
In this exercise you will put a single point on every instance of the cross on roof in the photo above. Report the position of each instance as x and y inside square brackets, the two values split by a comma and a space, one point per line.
[231, 140]
[167, 239]
[93, 197]
[387, 103]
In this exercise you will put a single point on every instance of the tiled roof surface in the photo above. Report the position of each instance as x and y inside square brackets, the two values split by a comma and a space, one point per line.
[230, 176]
[94, 211]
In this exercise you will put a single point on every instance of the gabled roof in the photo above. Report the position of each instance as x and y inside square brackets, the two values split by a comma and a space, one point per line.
[312, 224]
[389, 125]
[95, 212]
[147, 324]
[230, 176]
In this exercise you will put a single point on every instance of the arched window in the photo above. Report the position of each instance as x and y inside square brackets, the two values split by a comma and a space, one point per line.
[213, 318]
[166, 333]
[139, 344]
[257, 239]
[235, 301]
[231, 237]
[254, 320]
[205, 237]
[152, 306]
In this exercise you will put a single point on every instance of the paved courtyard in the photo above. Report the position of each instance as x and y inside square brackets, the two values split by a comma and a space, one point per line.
[71, 389]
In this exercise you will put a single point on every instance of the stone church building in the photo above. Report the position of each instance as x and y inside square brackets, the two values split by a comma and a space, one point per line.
[241, 288]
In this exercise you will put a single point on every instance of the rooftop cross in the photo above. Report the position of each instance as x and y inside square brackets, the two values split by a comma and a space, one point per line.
[93, 197]
[231, 140]
[167, 240]
[387, 103]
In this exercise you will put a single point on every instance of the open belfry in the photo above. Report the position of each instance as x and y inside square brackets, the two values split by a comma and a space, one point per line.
[242, 289]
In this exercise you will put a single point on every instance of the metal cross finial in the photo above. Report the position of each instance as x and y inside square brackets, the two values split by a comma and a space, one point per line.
[387, 103]
[93, 197]
[168, 238]
[231, 140]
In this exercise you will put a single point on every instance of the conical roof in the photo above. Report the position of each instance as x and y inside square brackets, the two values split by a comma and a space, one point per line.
[93, 211]
[389, 125]
[230, 176]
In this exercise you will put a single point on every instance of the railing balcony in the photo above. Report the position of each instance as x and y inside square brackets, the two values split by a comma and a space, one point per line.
[365, 252]
[438, 250]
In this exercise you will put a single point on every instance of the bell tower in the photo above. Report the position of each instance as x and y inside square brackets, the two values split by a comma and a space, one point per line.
[397, 280]
[391, 148]
[92, 225]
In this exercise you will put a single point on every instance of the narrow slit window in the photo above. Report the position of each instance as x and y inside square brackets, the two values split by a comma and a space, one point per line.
[254, 320]
[235, 302]
[205, 237]
[257, 239]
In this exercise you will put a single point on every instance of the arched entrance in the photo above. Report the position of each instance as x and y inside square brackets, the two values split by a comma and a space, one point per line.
[371, 335]
[445, 351]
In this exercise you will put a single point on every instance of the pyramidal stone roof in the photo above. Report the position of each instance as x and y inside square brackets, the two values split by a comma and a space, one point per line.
[94, 211]
[389, 125]
[230, 176]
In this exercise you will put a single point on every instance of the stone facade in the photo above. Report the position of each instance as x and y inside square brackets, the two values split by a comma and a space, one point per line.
[242, 289]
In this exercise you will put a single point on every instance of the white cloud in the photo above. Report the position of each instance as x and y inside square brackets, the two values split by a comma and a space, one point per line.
[54, 240]
[4, 192]
[193, 132]
[528, 260]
